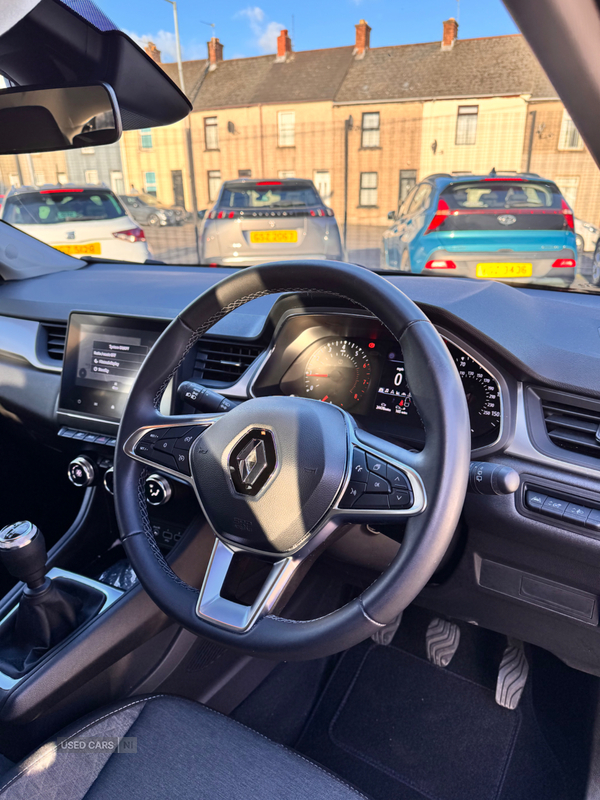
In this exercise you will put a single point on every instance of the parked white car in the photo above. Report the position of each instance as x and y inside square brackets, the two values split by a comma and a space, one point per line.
[81, 220]
[586, 235]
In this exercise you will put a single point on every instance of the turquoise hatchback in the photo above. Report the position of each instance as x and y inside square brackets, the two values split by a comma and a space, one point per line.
[517, 228]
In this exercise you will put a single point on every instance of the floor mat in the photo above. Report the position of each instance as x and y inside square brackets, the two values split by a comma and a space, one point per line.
[416, 733]
[398, 727]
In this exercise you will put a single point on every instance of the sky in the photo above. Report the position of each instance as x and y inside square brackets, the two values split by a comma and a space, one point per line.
[250, 29]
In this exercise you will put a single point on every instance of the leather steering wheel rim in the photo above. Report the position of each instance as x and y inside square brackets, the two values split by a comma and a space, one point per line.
[442, 466]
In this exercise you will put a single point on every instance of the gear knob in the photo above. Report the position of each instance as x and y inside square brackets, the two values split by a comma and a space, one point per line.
[23, 553]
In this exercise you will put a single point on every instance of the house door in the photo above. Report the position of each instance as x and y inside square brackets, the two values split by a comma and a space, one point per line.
[117, 184]
[177, 181]
[323, 184]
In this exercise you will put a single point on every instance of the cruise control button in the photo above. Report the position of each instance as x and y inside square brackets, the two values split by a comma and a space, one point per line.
[182, 460]
[353, 492]
[376, 465]
[374, 501]
[377, 485]
[185, 442]
[165, 445]
[359, 465]
[400, 499]
[174, 433]
[577, 513]
[535, 500]
[164, 459]
[397, 479]
[554, 507]
[143, 449]
[593, 521]
[153, 436]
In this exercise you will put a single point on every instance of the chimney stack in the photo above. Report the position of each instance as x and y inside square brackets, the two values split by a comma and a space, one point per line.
[284, 45]
[215, 52]
[363, 39]
[152, 50]
[450, 33]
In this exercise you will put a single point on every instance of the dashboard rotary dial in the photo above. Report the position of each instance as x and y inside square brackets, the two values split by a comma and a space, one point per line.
[338, 372]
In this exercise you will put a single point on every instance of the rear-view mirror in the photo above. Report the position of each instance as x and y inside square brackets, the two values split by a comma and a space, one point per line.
[391, 215]
[35, 119]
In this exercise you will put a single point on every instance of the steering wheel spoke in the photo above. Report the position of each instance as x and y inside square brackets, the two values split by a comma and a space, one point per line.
[216, 608]
[166, 445]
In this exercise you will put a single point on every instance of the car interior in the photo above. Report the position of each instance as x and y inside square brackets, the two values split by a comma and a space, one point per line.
[297, 530]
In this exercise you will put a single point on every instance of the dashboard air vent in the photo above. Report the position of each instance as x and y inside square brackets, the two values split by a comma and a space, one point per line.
[55, 338]
[223, 361]
[573, 427]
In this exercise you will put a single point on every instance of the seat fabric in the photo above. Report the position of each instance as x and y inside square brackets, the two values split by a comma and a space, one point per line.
[184, 751]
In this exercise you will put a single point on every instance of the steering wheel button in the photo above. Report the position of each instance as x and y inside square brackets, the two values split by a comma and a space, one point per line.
[377, 485]
[400, 499]
[143, 449]
[182, 459]
[165, 445]
[353, 492]
[397, 479]
[359, 465]
[374, 501]
[164, 459]
[185, 442]
[174, 433]
[376, 465]
[152, 436]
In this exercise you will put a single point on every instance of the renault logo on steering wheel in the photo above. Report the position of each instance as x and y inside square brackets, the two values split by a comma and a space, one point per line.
[252, 461]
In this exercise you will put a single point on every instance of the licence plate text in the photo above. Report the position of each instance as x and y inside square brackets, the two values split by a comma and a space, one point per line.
[504, 270]
[273, 237]
[91, 249]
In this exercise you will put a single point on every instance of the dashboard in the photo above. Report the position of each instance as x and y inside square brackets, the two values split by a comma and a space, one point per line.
[352, 361]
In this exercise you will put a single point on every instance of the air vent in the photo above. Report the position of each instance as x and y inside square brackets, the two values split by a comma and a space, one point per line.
[573, 427]
[221, 361]
[55, 338]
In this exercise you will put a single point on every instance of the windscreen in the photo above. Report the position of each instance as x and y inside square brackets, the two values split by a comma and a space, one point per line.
[268, 195]
[52, 208]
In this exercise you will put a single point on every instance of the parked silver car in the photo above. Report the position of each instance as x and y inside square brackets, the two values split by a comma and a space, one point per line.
[254, 221]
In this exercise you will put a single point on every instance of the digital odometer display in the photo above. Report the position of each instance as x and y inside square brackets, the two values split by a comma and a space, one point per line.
[339, 372]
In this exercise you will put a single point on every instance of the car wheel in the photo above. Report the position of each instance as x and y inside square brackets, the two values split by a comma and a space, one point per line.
[595, 279]
[153, 220]
[405, 265]
[580, 243]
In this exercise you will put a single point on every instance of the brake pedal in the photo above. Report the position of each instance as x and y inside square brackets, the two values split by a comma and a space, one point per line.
[385, 635]
[512, 675]
[442, 640]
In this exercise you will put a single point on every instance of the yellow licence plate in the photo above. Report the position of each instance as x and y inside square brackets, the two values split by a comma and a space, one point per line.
[91, 249]
[504, 270]
[273, 237]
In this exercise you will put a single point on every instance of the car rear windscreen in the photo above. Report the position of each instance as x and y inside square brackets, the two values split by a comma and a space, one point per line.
[48, 207]
[496, 204]
[268, 194]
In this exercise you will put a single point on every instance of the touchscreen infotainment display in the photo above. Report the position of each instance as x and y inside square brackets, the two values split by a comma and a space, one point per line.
[102, 359]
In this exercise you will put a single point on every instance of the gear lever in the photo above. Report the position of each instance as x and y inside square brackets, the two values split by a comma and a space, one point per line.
[23, 553]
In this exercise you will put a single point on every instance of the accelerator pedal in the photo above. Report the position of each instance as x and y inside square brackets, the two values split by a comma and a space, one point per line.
[442, 640]
[385, 635]
[512, 675]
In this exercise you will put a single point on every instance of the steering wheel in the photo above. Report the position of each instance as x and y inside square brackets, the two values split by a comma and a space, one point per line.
[279, 477]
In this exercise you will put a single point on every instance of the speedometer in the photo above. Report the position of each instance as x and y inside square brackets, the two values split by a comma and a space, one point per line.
[338, 372]
[483, 398]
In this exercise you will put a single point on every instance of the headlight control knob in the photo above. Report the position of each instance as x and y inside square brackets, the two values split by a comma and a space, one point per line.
[158, 490]
[82, 471]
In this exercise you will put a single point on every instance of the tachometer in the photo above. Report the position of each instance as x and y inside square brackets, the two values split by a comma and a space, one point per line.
[339, 372]
[483, 398]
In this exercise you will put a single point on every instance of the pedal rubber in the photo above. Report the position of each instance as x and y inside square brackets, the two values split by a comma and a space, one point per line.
[385, 635]
[512, 675]
[442, 640]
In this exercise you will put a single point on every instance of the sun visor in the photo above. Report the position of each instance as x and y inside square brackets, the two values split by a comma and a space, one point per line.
[59, 42]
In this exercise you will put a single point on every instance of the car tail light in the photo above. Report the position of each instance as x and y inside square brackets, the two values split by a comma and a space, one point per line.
[439, 217]
[569, 263]
[440, 264]
[59, 191]
[269, 183]
[329, 212]
[568, 214]
[132, 235]
[213, 214]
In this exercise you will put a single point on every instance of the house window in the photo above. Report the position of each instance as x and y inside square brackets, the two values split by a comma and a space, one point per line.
[62, 178]
[40, 179]
[146, 138]
[214, 184]
[150, 183]
[286, 173]
[286, 127]
[244, 173]
[368, 189]
[408, 179]
[211, 133]
[87, 151]
[568, 186]
[370, 129]
[466, 124]
[91, 176]
[14, 179]
[569, 135]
